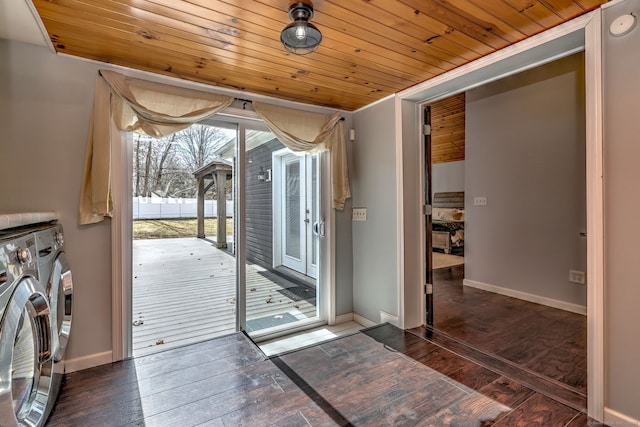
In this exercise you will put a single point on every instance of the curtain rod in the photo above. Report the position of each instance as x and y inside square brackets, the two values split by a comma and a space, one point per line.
[249, 101]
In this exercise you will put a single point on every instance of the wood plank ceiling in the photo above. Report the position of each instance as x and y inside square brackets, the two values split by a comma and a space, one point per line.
[448, 129]
[370, 48]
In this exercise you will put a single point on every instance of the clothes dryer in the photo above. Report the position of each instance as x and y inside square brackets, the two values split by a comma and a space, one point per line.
[55, 273]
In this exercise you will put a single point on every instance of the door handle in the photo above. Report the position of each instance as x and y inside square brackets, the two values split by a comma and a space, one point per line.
[318, 228]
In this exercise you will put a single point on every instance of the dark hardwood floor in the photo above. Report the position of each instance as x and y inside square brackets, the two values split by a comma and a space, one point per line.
[381, 376]
[545, 340]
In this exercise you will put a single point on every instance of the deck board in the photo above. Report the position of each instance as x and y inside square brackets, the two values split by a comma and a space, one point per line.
[184, 291]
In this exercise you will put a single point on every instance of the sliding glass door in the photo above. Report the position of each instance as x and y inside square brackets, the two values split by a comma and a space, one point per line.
[278, 251]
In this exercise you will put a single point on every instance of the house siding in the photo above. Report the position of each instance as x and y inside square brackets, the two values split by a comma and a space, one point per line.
[259, 211]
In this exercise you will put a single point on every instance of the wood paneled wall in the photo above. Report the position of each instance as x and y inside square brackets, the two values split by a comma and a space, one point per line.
[447, 129]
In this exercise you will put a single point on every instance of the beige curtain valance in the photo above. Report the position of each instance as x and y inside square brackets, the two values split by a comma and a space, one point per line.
[124, 103]
[307, 132]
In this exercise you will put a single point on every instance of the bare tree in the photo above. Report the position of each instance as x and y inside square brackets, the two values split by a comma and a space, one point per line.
[167, 152]
[197, 145]
[165, 166]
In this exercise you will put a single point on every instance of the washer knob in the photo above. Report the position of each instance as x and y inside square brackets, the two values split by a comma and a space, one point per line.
[59, 238]
[24, 255]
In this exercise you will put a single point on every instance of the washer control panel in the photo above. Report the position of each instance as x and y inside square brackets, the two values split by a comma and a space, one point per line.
[17, 257]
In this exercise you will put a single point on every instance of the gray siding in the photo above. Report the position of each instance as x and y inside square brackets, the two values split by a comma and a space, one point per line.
[259, 221]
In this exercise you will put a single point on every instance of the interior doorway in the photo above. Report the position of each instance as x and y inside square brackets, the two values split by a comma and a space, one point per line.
[489, 302]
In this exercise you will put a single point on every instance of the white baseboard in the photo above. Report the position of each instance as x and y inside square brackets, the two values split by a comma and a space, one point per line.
[614, 419]
[562, 305]
[86, 362]
[343, 318]
[363, 321]
[390, 318]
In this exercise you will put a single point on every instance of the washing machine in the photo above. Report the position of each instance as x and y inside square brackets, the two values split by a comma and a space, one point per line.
[36, 292]
[25, 334]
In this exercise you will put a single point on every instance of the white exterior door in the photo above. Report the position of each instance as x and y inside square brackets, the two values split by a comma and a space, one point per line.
[299, 204]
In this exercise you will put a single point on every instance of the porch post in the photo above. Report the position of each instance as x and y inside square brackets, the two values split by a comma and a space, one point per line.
[201, 207]
[221, 179]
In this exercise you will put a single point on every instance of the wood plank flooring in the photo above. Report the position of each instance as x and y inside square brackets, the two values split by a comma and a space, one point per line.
[545, 340]
[384, 376]
[184, 291]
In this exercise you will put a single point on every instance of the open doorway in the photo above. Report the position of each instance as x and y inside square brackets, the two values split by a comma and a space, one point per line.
[204, 232]
[520, 295]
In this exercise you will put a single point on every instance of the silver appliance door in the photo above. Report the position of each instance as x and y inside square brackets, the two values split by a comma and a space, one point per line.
[25, 356]
[60, 292]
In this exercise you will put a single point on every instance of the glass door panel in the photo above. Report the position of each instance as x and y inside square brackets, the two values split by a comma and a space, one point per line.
[294, 215]
[313, 212]
[280, 292]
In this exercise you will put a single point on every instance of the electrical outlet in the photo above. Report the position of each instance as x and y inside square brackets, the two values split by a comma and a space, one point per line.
[359, 214]
[480, 201]
[576, 277]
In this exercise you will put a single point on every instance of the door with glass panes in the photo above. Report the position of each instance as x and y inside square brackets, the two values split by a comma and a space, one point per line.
[299, 224]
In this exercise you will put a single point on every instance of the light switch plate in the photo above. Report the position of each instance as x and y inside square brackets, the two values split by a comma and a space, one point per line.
[359, 214]
[480, 201]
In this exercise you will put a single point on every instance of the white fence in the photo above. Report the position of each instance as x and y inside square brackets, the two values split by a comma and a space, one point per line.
[164, 207]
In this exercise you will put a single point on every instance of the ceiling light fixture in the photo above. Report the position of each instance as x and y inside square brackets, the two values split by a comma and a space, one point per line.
[301, 37]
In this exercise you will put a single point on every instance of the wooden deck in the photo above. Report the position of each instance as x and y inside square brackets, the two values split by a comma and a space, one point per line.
[184, 291]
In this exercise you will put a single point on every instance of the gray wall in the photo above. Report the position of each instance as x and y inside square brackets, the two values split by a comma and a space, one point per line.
[45, 108]
[375, 243]
[344, 242]
[622, 204]
[525, 152]
[448, 176]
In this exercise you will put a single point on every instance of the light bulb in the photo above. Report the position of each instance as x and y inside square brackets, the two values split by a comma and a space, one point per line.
[301, 32]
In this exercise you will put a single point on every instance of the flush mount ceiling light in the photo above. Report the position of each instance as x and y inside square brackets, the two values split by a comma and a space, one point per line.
[300, 37]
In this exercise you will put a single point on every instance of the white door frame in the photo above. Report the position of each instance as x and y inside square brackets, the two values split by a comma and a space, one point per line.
[580, 34]
[313, 205]
[279, 191]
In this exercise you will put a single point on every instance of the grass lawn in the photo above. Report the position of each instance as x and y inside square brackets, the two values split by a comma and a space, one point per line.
[180, 227]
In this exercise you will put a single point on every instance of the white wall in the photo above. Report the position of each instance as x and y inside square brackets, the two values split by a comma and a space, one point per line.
[45, 108]
[447, 177]
[375, 242]
[525, 152]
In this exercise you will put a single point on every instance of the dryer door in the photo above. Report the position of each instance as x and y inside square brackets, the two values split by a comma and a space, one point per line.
[60, 291]
[25, 355]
